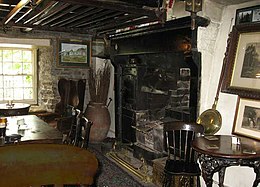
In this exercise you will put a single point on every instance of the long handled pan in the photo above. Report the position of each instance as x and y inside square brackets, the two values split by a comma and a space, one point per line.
[211, 119]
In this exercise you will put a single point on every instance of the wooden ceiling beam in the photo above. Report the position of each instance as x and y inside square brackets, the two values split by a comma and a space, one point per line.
[59, 15]
[51, 13]
[15, 10]
[115, 5]
[48, 28]
[105, 17]
[28, 11]
[117, 20]
[68, 18]
[126, 24]
[81, 16]
[39, 10]
[92, 17]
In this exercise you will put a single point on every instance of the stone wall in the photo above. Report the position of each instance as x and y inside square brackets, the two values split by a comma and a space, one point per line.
[49, 75]
[48, 71]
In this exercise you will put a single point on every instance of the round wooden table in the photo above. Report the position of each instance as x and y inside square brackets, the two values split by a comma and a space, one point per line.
[46, 164]
[217, 152]
[15, 109]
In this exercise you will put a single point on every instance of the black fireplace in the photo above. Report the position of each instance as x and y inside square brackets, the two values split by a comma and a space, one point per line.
[157, 77]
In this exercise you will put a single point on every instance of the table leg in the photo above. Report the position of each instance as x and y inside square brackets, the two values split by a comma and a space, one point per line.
[221, 175]
[207, 169]
[207, 176]
[257, 172]
[211, 165]
[255, 164]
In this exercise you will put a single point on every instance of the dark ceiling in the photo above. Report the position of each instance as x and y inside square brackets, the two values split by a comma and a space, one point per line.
[95, 17]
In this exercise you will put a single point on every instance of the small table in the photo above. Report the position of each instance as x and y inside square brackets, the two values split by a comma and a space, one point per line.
[217, 152]
[15, 109]
[33, 129]
[46, 164]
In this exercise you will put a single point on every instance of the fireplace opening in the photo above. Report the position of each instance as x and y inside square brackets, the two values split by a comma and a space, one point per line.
[157, 74]
[155, 87]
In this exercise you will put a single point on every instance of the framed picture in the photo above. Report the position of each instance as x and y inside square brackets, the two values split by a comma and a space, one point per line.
[248, 15]
[99, 48]
[247, 118]
[242, 62]
[73, 53]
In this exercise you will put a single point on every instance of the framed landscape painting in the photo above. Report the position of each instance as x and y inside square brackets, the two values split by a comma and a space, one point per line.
[73, 53]
[247, 118]
[242, 71]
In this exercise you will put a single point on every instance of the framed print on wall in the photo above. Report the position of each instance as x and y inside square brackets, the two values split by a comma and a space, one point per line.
[242, 71]
[99, 48]
[73, 53]
[248, 15]
[247, 118]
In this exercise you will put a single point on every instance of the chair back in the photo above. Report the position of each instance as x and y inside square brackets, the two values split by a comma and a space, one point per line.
[72, 93]
[178, 136]
[80, 130]
[83, 132]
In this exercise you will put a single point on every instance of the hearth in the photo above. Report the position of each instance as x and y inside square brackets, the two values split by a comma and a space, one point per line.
[157, 75]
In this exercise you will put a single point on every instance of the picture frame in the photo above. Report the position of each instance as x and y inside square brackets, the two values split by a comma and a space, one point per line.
[99, 48]
[248, 15]
[247, 118]
[73, 53]
[242, 67]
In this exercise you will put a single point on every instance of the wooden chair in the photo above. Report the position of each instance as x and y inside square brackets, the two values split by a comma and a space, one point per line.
[80, 131]
[83, 132]
[72, 93]
[181, 163]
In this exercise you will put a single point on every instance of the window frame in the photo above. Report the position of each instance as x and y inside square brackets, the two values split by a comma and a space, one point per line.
[33, 50]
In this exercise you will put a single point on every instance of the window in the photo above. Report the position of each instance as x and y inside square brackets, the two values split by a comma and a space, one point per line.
[18, 74]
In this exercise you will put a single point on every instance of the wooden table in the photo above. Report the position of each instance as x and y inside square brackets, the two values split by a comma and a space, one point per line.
[217, 152]
[15, 109]
[24, 165]
[33, 129]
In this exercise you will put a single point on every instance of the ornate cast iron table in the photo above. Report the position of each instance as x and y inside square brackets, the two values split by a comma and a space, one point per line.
[216, 153]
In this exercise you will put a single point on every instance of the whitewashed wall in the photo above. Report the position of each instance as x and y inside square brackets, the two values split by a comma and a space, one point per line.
[99, 63]
[212, 42]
